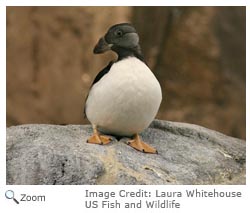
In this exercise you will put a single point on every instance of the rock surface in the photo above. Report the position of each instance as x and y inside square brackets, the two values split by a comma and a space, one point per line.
[188, 154]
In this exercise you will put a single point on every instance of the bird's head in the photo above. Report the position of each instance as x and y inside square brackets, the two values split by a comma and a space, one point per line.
[119, 37]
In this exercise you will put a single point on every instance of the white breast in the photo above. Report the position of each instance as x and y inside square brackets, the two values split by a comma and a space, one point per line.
[126, 100]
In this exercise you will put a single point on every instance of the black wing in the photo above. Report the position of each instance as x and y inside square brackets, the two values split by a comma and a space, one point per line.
[103, 72]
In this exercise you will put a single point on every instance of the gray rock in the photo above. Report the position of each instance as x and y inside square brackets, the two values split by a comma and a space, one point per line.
[188, 154]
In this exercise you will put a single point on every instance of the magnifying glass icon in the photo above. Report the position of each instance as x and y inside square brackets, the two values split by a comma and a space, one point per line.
[9, 194]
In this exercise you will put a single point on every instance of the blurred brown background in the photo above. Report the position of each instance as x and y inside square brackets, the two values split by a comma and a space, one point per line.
[197, 53]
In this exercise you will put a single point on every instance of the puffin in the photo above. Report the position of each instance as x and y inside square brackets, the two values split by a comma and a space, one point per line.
[125, 96]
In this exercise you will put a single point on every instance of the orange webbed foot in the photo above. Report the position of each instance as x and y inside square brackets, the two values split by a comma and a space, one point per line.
[139, 145]
[96, 138]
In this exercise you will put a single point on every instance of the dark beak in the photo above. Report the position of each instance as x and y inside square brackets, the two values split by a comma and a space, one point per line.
[102, 46]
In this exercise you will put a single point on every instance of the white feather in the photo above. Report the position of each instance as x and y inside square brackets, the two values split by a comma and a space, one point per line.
[125, 100]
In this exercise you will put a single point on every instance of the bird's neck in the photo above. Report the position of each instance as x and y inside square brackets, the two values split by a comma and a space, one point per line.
[128, 52]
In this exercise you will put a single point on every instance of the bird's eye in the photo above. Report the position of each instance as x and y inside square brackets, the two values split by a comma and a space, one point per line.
[118, 33]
